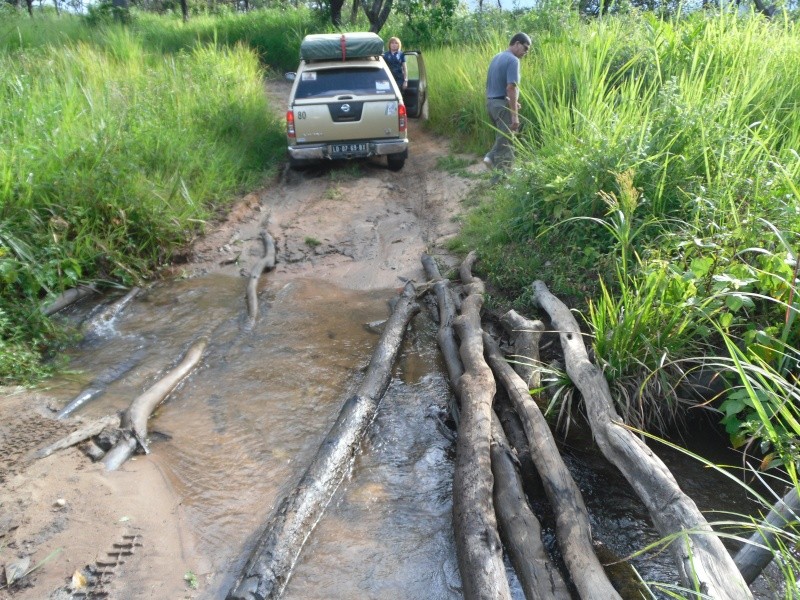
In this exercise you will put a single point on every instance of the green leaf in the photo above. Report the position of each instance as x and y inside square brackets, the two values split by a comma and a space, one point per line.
[701, 266]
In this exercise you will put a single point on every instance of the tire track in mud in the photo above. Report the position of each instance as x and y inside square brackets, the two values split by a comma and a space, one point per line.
[23, 433]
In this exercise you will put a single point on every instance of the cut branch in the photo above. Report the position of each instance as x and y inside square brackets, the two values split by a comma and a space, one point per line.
[70, 296]
[447, 314]
[478, 544]
[759, 550]
[525, 336]
[573, 529]
[703, 562]
[269, 567]
[519, 528]
[267, 263]
[134, 419]
[84, 433]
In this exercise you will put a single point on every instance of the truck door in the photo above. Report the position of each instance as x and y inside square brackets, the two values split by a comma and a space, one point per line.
[415, 96]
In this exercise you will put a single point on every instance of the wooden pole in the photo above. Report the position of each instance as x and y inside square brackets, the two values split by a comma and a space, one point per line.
[573, 529]
[759, 550]
[270, 565]
[703, 563]
[519, 527]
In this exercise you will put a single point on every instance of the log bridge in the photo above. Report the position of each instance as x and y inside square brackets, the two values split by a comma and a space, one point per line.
[491, 511]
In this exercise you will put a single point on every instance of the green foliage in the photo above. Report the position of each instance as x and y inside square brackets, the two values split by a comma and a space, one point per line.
[699, 115]
[111, 157]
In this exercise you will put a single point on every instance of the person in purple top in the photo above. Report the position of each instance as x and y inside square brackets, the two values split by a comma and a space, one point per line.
[502, 100]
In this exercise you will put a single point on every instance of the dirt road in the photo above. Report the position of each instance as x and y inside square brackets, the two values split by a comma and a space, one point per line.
[357, 225]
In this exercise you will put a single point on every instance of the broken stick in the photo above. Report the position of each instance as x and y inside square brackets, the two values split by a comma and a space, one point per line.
[267, 263]
[134, 419]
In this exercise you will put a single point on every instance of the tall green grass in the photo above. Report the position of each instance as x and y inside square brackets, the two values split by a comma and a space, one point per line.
[111, 157]
[702, 114]
[274, 34]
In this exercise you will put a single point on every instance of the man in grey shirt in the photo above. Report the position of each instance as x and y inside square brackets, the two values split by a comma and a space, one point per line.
[502, 99]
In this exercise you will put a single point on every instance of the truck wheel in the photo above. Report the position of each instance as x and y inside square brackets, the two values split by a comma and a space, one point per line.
[395, 162]
[298, 164]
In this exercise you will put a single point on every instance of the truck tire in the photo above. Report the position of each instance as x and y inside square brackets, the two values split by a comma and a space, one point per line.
[395, 162]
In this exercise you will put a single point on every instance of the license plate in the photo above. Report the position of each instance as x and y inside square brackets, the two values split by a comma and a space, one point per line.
[348, 148]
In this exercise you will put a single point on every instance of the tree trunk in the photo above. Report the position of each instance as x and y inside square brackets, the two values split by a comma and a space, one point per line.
[525, 336]
[354, 12]
[703, 562]
[759, 550]
[269, 567]
[573, 530]
[377, 12]
[134, 420]
[480, 557]
[519, 528]
[184, 11]
[336, 12]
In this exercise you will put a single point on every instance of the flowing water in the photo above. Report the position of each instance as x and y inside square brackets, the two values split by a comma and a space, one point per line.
[237, 435]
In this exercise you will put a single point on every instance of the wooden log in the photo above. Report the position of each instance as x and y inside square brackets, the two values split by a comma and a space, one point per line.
[515, 434]
[100, 383]
[762, 546]
[102, 320]
[519, 527]
[267, 263]
[445, 334]
[573, 529]
[89, 430]
[524, 335]
[704, 564]
[70, 296]
[134, 419]
[478, 544]
[269, 567]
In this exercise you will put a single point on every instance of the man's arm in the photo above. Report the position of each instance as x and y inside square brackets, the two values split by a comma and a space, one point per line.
[512, 93]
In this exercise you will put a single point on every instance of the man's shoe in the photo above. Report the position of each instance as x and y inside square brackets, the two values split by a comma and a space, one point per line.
[488, 162]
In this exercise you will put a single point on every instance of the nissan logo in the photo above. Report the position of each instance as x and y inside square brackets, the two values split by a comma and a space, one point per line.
[345, 108]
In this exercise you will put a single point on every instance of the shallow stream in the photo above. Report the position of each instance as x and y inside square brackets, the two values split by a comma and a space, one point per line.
[237, 435]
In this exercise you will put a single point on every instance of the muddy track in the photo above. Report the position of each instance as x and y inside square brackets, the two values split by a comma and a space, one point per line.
[356, 225]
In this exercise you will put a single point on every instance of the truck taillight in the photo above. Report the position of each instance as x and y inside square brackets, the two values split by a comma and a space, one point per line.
[402, 121]
[290, 124]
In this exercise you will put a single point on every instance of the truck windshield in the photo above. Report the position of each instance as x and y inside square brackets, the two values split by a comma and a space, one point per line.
[347, 80]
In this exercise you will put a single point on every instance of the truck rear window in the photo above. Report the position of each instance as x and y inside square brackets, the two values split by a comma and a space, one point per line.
[335, 82]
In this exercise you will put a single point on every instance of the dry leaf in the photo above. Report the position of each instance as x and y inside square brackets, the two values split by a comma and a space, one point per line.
[78, 581]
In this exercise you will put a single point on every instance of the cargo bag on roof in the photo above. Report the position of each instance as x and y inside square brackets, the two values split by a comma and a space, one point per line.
[335, 46]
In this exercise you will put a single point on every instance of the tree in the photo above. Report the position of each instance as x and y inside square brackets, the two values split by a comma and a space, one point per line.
[377, 12]
[336, 12]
